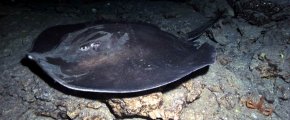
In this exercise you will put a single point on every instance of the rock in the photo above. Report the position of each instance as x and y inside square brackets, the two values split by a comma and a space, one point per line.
[87, 110]
[144, 106]
[283, 90]
[226, 34]
[202, 109]
[167, 105]
[209, 7]
[268, 70]
[257, 12]
[194, 88]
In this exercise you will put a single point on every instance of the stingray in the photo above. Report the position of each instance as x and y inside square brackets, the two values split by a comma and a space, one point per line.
[118, 57]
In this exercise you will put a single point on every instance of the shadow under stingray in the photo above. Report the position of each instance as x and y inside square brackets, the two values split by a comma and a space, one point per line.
[104, 96]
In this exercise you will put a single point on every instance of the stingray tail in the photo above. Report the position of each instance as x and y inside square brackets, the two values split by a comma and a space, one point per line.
[193, 35]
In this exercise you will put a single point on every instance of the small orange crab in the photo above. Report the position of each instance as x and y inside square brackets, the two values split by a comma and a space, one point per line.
[259, 106]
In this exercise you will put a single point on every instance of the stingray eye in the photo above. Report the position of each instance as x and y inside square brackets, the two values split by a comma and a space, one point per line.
[84, 48]
[94, 45]
[88, 46]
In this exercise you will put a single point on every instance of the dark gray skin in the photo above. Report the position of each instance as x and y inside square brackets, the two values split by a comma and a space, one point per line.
[118, 57]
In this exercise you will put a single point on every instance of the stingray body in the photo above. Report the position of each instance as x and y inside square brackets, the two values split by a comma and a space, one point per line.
[117, 57]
